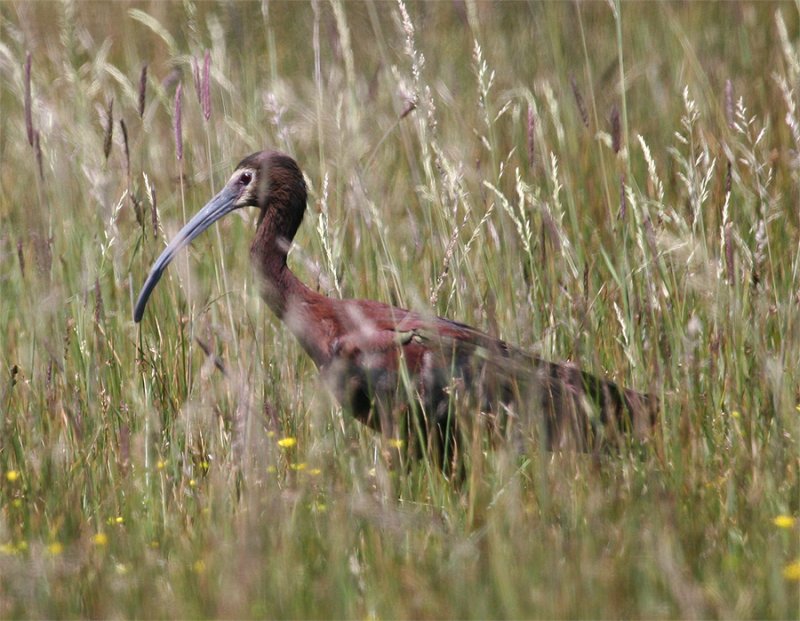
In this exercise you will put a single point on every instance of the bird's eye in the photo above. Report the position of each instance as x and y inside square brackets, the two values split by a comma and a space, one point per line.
[246, 178]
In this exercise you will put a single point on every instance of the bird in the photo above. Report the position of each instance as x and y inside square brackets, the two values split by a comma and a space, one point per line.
[420, 380]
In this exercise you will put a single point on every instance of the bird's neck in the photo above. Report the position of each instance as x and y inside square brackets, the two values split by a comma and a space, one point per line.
[286, 295]
[268, 253]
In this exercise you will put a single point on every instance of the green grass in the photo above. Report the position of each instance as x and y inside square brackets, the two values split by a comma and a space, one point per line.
[137, 480]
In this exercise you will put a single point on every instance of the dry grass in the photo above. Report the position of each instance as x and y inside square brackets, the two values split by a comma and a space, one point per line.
[613, 184]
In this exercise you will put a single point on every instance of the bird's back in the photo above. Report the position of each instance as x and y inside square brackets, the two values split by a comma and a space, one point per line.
[393, 368]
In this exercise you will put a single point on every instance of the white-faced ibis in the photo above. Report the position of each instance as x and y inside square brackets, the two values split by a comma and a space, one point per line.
[404, 373]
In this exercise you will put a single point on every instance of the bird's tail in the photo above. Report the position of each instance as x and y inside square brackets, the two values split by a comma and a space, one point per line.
[590, 412]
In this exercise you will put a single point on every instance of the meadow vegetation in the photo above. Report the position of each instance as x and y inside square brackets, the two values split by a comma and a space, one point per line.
[612, 184]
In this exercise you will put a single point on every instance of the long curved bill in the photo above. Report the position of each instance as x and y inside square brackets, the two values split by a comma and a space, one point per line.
[222, 204]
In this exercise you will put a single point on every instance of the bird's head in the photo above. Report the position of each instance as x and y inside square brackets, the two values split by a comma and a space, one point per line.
[269, 180]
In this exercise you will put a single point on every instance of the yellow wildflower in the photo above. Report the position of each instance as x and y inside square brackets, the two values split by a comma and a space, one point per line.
[9, 549]
[271, 469]
[100, 540]
[192, 482]
[792, 571]
[396, 443]
[736, 414]
[287, 442]
[12, 475]
[784, 521]
[55, 548]
[300, 466]
[315, 472]
[199, 567]
[160, 464]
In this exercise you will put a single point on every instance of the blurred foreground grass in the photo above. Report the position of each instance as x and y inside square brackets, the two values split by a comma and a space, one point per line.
[615, 185]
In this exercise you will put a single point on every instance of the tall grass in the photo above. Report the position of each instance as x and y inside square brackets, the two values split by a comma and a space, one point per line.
[463, 159]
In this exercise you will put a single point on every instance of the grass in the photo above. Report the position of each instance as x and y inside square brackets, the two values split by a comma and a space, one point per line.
[460, 158]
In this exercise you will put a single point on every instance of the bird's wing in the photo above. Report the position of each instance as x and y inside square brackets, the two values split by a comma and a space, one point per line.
[438, 351]
[373, 327]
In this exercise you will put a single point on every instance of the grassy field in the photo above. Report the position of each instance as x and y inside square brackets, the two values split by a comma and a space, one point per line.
[614, 185]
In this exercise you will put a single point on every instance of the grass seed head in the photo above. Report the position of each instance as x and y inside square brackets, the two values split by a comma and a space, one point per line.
[109, 133]
[37, 149]
[531, 137]
[142, 89]
[616, 131]
[579, 102]
[124, 130]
